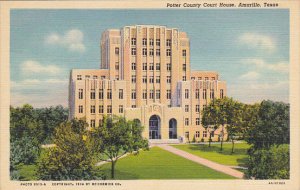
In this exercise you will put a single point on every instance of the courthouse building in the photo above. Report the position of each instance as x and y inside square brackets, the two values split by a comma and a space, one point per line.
[145, 75]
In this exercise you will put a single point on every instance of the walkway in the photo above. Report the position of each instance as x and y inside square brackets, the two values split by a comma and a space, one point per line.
[205, 162]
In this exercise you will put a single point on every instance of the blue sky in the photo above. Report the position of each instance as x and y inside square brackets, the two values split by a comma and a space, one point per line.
[249, 48]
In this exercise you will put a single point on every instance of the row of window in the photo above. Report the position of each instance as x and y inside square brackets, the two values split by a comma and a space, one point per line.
[151, 42]
[205, 78]
[151, 52]
[187, 121]
[197, 108]
[197, 134]
[101, 109]
[151, 67]
[80, 77]
[151, 79]
[121, 94]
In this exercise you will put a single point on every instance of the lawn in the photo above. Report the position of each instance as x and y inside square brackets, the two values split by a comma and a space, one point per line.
[27, 172]
[213, 153]
[160, 164]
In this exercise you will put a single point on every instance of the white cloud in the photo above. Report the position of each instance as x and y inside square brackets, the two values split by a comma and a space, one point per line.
[251, 75]
[39, 93]
[72, 40]
[31, 66]
[259, 41]
[269, 86]
[282, 67]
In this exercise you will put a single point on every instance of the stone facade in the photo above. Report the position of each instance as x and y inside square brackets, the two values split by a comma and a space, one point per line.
[145, 74]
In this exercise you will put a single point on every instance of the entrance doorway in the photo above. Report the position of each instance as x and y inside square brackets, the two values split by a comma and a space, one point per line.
[172, 129]
[154, 127]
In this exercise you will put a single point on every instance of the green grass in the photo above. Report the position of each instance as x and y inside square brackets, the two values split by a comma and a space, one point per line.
[160, 164]
[27, 172]
[213, 153]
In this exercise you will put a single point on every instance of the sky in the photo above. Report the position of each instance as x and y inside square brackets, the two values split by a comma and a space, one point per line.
[248, 47]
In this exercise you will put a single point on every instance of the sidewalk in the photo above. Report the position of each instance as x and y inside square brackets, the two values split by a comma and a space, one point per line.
[205, 162]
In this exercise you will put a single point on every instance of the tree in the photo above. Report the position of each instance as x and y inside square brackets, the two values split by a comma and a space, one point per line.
[273, 163]
[116, 137]
[223, 112]
[271, 127]
[71, 158]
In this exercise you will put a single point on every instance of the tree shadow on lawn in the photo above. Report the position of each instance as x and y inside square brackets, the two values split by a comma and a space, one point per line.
[226, 151]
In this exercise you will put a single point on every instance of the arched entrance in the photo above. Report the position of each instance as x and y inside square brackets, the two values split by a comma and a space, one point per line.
[154, 127]
[172, 129]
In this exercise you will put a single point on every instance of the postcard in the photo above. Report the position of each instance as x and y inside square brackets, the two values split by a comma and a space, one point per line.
[150, 95]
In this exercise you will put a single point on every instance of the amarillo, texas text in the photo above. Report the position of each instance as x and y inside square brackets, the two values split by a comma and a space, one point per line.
[211, 5]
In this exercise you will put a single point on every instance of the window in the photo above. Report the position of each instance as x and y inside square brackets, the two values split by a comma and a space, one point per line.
[184, 53]
[144, 79]
[206, 78]
[151, 52]
[80, 94]
[87, 76]
[197, 94]
[168, 43]
[186, 108]
[95, 77]
[186, 94]
[101, 109]
[213, 78]
[187, 135]
[93, 123]
[151, 94]
[100, 122]
[204, 133]
[157, 94]
[93, 94]
[197, 134]
[133, 94]
[168, 94]
[157, 79]
[102, 77]
[133, 78]
[204, 94]
[144, 41]
[193, 78]
[144, 51]
[120, 108]
[133, 51]
[117, 51]
[197, 121]
[151, 79]
[109, 109]
[144, 66]
[117, 66]
[157, 52]
[168, 79]
[199, 78]
[151, 42]
[144, 94]
[169, 52]
[133, 66]
[158, 42]
[184, 67]
[186, 121]
[133, 41]
[108, 93]
[120, 93]
[169, 68]
[204, 106]
[221, 93]
[79, 77]
[80, 109]
[151, 67]
[93, 109]
[197, 108]
[184, 78]
[100, 94]
[212, 94]
[133, 106]
[212, 134]
[157, 66]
